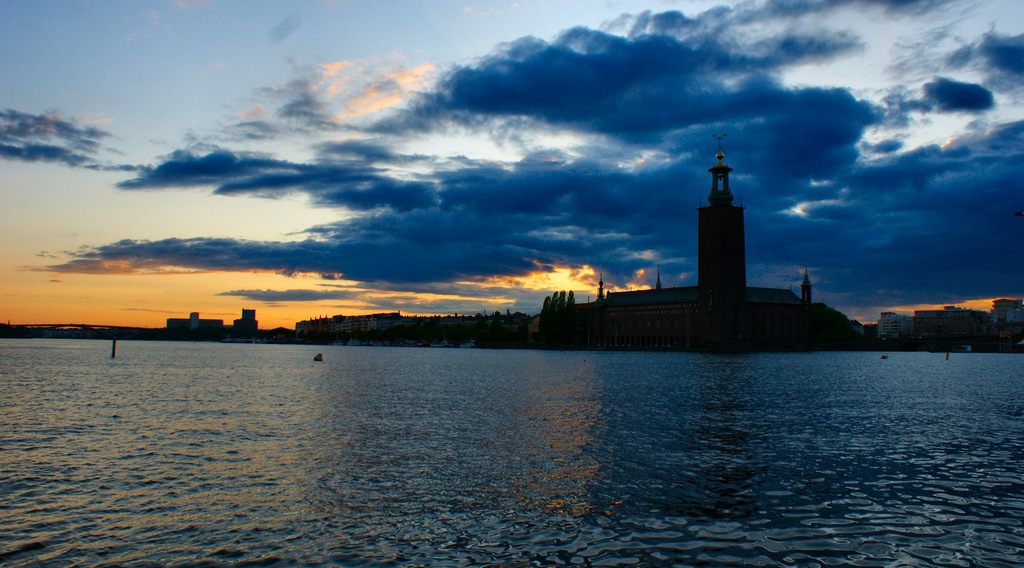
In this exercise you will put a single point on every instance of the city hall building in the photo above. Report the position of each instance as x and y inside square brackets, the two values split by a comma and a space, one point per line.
[721, 311]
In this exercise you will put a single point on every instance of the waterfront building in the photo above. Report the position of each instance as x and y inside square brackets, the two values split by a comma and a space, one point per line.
[892, 324]
[1008, 316]
[178, 323]
[1007, 311]
[247, 322]
[951, 321]
[369, 322]
[320, 324]
[339, 324]
[193, 322]
[721, 311]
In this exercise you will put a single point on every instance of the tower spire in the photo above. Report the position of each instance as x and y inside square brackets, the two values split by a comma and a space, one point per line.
[805, 289]
[657, 286]
[721, 261]
[720, 194]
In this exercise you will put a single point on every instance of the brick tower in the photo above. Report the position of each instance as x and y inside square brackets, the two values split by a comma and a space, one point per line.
[721, 262]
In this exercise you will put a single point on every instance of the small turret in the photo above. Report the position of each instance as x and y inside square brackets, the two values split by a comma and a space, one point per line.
[805, 289]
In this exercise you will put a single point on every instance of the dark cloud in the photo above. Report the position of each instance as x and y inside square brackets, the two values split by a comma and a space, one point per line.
[903, 106]
[915, 216]
[186, 169]
[597, 82]
[302, 108]
[366, 151]
[48, 138]
[727, 21]
[951, 96]
[352, 183]
[884, 147]
[285, 28]
[297, 295]
[253, 130]
[203, 254]
[912, 7]
[363, 252]
[452, 298]
[306, 109]
[1004, 54]
[999, 57]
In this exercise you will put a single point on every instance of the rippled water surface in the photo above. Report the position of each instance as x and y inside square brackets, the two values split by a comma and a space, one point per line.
[178, 453]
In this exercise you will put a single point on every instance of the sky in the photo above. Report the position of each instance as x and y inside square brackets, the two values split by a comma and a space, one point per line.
[453, 157]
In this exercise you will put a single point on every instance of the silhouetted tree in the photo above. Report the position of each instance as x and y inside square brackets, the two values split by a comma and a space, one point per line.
[558, 318]
[829, 325]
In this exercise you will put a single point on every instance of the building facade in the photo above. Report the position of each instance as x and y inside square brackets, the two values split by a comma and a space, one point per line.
[892, 324]
[247, 322]
[721, 311]
[193, 322]
[952, 321]
[1007, 311]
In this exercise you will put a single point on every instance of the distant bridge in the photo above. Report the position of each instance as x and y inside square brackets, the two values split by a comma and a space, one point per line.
[77, 325]
[112, 332]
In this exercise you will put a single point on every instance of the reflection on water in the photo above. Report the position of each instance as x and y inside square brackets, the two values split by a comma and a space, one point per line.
[720, 482]
[225, 454]
[554, 425]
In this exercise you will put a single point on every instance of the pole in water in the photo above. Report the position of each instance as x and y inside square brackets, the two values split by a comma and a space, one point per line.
[113, 350]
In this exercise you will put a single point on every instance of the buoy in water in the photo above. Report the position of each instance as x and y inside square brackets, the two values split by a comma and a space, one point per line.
[884, 357]
[319, 357]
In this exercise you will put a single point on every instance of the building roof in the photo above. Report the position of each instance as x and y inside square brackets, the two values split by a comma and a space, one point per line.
[771, 296]
[655, 296]
[689, 294]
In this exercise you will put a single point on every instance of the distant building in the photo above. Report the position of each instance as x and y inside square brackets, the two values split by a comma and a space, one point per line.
[891, 325]
[316, 325]
[1007, 311]
[247, 322]
[358, 324]
[952, 321]
[870, 330]
[193, 322]
[720, 311]
[533, 328]
[857, 327]
[350, 324]
[179, 323]
[1008, 316]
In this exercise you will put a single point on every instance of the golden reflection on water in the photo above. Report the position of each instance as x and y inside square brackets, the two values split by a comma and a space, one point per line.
[561, 419]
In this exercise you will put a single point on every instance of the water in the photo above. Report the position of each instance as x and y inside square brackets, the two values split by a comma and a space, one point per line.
[186, 453]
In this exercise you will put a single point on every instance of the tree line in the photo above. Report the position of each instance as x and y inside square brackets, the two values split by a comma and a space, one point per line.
[558, 318]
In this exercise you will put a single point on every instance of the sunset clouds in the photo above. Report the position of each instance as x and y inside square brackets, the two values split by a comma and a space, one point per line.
[606, 138]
